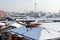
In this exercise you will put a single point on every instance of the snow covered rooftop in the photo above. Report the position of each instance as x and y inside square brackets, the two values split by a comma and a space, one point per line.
[53, 28]
[2, 23]
[16, 25]
[38, 33]
[31, 33]
[34, 33]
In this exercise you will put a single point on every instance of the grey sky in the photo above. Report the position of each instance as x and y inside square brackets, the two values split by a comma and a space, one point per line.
[24, 5]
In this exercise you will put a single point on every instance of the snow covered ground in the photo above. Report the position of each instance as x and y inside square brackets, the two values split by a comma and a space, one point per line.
[52, 30]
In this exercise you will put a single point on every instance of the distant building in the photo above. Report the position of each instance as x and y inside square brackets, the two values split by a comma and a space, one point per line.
[5, 35]
[2, 26]
[2, 13]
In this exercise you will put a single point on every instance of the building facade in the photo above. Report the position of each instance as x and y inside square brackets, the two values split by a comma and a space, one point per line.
[2, 13]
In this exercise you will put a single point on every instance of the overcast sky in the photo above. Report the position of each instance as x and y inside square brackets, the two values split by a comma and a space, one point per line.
[27, 5]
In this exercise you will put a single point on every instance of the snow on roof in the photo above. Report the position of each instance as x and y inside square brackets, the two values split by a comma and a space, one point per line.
[34, 33]
[2, 23]
[20, 30]
[53, 28]
[16, 25]
[45, 35]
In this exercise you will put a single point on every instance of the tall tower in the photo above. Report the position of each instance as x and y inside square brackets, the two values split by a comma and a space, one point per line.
[36, 14]
[35, 9]
[35, 6]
